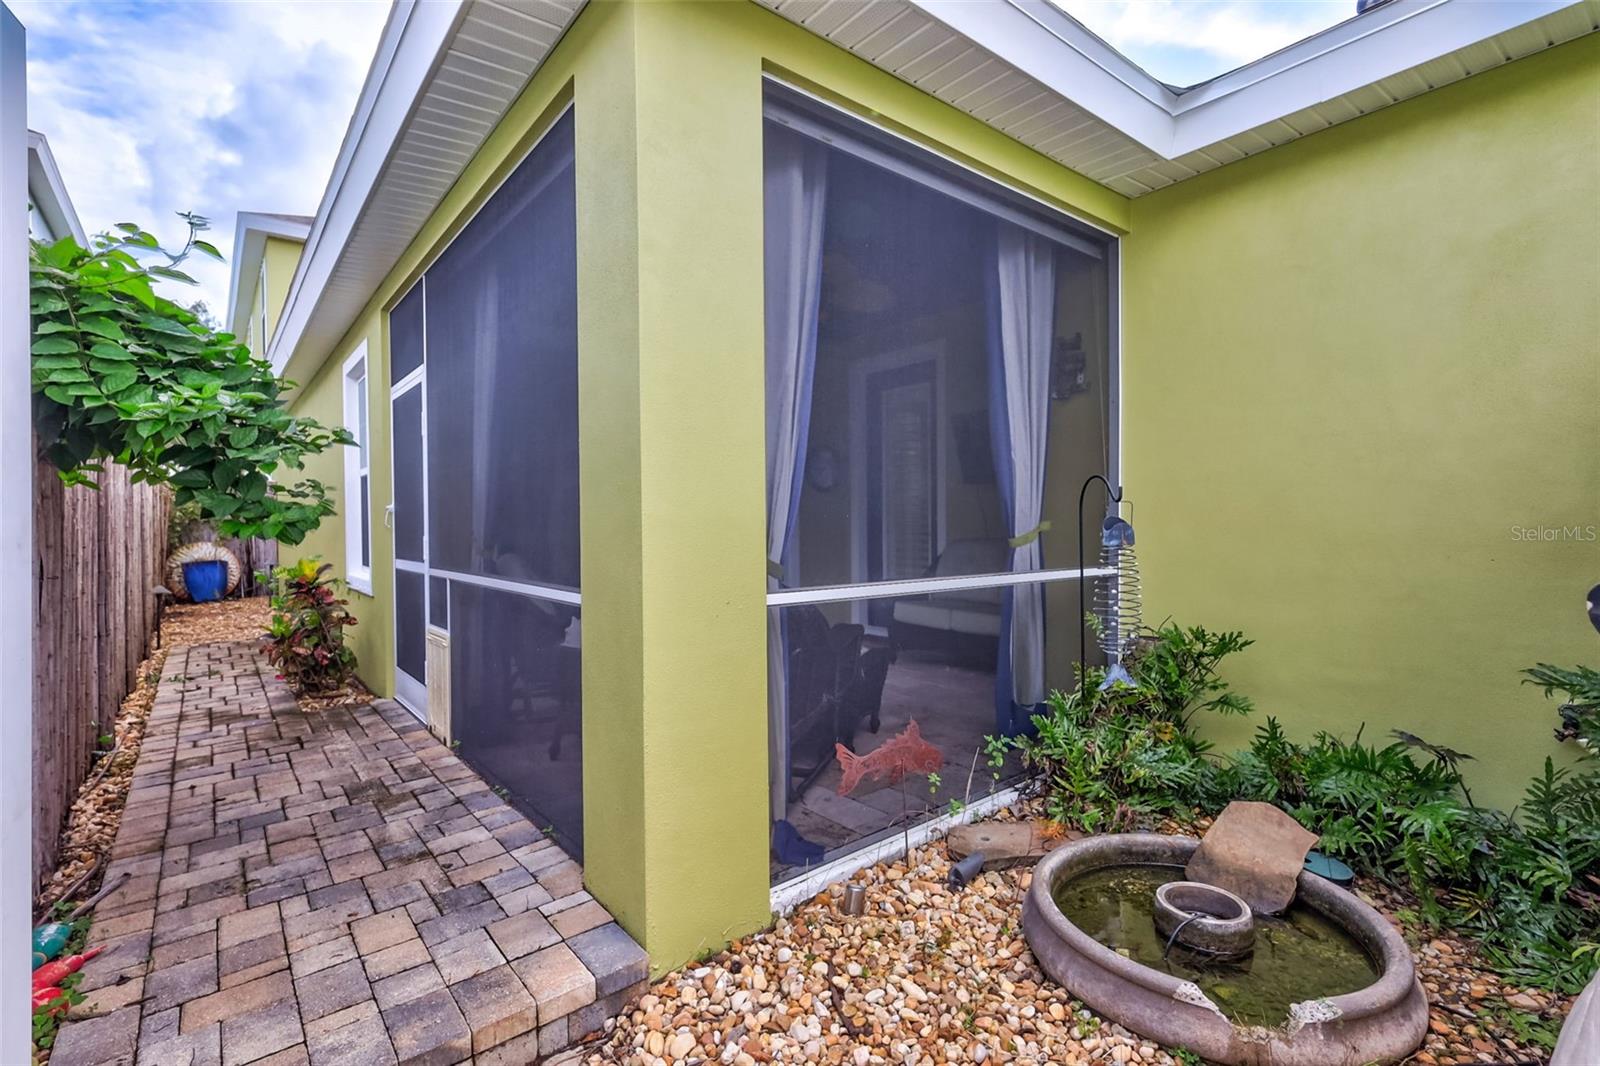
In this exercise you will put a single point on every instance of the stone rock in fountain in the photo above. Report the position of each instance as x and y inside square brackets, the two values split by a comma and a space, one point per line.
[1255, 851]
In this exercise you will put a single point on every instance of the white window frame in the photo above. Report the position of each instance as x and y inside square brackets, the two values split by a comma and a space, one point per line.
[357, 382]
[261, 289]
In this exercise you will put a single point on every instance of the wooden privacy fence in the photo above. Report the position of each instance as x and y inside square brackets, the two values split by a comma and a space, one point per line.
[97, 556]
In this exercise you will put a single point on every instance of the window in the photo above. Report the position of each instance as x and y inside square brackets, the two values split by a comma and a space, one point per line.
[357, 476]
[940, 382]
[261, 297]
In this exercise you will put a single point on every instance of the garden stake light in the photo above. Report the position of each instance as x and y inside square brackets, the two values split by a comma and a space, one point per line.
[855, 900]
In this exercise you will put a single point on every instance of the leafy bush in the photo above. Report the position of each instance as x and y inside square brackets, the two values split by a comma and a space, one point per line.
[305, 639]
[1525, 883]
[1580, 714]
[123, 375]
[1530, 887]
[1107, 756]
[1365, 802]
[1178, 668]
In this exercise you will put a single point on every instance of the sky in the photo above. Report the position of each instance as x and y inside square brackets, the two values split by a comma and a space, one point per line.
[1183, 42]
[155, 107]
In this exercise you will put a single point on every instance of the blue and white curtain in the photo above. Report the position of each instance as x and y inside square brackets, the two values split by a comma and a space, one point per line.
[1022, 301]
[796, 183]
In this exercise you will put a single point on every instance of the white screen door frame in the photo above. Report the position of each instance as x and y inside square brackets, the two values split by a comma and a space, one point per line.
[411, 691]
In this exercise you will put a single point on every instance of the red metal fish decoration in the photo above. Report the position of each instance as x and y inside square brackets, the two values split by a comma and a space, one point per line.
[902, 754]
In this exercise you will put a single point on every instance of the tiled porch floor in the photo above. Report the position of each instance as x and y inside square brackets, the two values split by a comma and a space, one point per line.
[330, 887]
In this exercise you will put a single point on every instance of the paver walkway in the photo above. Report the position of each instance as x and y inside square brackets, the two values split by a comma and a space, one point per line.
[330, 887]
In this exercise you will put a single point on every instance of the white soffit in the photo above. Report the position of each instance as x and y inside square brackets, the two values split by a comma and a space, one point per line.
[446, 70]
[1036, 74]
[444, 73]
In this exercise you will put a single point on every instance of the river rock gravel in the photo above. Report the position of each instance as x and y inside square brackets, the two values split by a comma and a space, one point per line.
[929, 975]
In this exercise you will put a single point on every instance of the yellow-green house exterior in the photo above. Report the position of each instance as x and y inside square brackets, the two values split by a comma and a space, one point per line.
[267, 249]
[1353, 368]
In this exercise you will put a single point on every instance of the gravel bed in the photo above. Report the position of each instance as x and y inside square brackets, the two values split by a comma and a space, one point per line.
[1475, 1017]
[929, 975]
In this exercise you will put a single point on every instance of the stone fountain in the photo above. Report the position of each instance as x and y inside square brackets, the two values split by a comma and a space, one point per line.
[1226, 946]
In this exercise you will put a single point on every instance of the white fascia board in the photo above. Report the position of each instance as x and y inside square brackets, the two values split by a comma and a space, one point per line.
[1054, 49]
[250, 233]
[49, 193]
[1039, 40]
[413, 41]
[1355, 53]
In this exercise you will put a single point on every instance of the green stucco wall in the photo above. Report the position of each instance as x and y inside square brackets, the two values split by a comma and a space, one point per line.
[1324, 449]
[322, 398]
[668, 128]
[280, 257]
[1354, 367]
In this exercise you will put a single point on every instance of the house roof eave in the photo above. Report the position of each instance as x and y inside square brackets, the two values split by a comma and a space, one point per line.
[250, 233]
[1120, 126]
[48, 191]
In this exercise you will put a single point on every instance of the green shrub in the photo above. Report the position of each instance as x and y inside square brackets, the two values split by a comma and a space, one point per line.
[1524, 883]
[123, 375]
[305, 638]
[1109, 756]
[1365, 802]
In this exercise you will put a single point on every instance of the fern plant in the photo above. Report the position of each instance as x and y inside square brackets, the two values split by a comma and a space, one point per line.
[1107, 756]
[1525, 883]
[1580, 712]
[1179, 669]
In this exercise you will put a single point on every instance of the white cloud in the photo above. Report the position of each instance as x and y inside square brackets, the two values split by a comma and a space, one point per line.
[210, 107]
[1185, 41]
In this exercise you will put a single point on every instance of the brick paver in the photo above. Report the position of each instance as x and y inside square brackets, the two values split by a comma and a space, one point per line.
[330, 887]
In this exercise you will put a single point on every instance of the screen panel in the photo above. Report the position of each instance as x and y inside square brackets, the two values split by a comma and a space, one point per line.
[503, 381]
[516, 701]
[408, 472]
[410, 615]
[901, 475]
[405, 335]
[439, 603]
[936, 667]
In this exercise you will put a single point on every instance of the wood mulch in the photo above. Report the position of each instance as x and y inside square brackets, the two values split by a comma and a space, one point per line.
[221, 622]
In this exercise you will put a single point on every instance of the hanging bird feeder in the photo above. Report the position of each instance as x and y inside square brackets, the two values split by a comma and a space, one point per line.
[1118, 599]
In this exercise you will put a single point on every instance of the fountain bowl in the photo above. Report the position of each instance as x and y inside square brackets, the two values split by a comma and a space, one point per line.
[1205, 918]
[1381, 1023]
